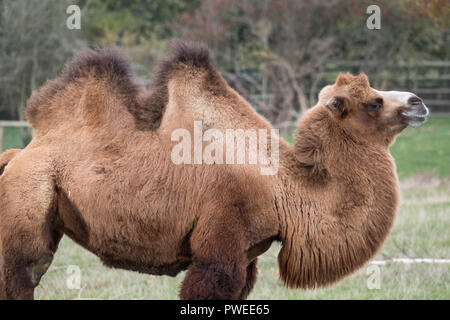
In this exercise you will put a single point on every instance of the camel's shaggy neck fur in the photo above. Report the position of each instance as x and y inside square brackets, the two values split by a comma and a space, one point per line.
[343, 219]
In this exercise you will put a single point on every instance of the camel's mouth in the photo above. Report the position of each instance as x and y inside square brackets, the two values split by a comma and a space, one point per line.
[416, 114]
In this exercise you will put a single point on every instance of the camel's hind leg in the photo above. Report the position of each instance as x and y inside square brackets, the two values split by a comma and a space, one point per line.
[28, 239]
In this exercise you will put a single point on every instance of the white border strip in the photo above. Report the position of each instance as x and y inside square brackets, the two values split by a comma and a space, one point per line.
[410, 261]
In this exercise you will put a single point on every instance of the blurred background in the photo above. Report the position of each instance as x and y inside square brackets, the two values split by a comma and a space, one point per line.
[278, 54]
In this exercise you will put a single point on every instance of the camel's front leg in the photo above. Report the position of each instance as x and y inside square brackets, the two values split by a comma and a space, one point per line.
[219, 267]
[250, 280]
[213, 280]
[27, 237]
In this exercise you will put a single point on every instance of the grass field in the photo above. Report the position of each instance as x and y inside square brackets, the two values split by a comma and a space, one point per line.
[421, 230]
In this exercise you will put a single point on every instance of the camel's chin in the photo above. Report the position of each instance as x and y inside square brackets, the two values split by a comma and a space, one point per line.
[415, 123]
[417, 115]
[414, 120]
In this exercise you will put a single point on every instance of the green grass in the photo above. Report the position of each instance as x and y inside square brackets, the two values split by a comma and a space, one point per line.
[425, 149]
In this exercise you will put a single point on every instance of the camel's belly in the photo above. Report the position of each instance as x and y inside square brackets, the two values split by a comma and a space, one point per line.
[169, 269]
[138, 246]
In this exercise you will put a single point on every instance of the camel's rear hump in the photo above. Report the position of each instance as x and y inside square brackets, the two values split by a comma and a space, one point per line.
[190, 63]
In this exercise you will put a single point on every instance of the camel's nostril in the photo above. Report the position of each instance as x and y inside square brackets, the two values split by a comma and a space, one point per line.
[416, 112]
[414, 100]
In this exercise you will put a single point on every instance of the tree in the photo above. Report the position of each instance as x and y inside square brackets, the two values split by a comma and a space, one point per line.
[274, 52]
[34, 44]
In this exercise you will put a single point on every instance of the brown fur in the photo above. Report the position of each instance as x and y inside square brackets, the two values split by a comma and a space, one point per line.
[99, 171]
[6, 157]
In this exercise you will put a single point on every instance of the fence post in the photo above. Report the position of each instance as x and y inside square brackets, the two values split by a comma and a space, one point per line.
[1, 139]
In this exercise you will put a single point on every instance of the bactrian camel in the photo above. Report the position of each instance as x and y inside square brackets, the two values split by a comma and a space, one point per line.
[99, 170]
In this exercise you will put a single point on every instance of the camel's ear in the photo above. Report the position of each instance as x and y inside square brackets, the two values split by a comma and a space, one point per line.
[338, 105]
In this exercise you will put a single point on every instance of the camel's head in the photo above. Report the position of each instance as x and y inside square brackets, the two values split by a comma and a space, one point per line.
[368, 113]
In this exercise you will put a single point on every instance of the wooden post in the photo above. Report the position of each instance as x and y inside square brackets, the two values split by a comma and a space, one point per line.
[1, 139]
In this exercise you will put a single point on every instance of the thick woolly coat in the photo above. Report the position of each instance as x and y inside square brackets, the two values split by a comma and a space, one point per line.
[99, 170]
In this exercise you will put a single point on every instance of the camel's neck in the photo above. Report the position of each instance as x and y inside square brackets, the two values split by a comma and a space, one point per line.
[337, 201]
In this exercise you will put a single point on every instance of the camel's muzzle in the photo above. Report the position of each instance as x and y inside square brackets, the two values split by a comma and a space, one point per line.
[411, 108]
[416, 112]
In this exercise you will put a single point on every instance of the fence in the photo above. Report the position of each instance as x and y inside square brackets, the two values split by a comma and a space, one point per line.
[17, 124]
[430, 80]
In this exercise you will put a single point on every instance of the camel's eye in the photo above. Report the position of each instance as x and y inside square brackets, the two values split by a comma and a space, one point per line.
[374, 105]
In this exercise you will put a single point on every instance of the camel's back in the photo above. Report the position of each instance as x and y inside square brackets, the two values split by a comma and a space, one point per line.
[96, 90]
